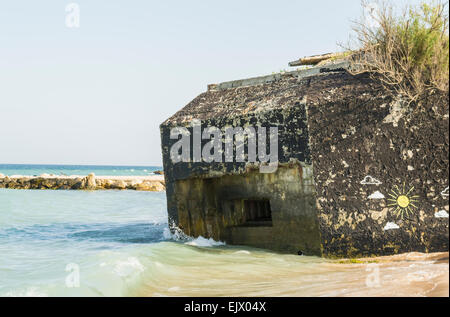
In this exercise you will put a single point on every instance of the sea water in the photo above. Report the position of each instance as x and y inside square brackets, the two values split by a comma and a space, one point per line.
[94, 234]
[117, 243]
[100, 170]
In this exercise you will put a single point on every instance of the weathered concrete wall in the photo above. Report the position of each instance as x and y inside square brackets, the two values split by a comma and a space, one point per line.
[293, 141]
[203, 208]
[195, 191]
[356, 131]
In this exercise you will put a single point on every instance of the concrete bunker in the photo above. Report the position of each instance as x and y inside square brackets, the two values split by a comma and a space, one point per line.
[334, 131]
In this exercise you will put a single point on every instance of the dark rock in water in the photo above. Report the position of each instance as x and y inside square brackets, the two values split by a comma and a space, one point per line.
[90, 182]
[158, 172]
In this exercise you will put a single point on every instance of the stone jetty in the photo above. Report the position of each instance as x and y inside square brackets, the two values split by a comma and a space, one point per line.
[90, 182]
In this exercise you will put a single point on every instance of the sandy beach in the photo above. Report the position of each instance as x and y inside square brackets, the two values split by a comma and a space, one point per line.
[251, 273]
[407, 274]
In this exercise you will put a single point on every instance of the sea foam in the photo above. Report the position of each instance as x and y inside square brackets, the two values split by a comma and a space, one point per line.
[203, 242]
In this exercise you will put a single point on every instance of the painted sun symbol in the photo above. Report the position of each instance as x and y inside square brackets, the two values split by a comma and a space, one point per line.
[402, 201]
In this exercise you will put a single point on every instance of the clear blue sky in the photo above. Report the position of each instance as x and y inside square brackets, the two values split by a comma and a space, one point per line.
[97, 94]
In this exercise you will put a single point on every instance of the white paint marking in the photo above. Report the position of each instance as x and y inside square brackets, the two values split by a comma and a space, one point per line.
[376, 195]
[369, 180]
[390, 226]
[441, 214]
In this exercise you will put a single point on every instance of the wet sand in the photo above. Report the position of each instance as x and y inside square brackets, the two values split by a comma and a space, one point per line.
[408, 274]
[247, 272]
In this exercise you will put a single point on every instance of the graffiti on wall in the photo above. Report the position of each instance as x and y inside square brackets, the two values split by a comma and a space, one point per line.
[402, 202]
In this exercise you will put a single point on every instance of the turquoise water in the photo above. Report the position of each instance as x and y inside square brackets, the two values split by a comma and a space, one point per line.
[43, 233]
[19, 169]
[117, 243]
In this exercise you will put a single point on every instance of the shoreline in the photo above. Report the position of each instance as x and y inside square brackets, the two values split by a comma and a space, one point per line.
[411, 274]
[413, 281]
[78, 182]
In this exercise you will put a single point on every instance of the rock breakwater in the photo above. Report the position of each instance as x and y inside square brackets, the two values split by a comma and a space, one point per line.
[89, 182]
